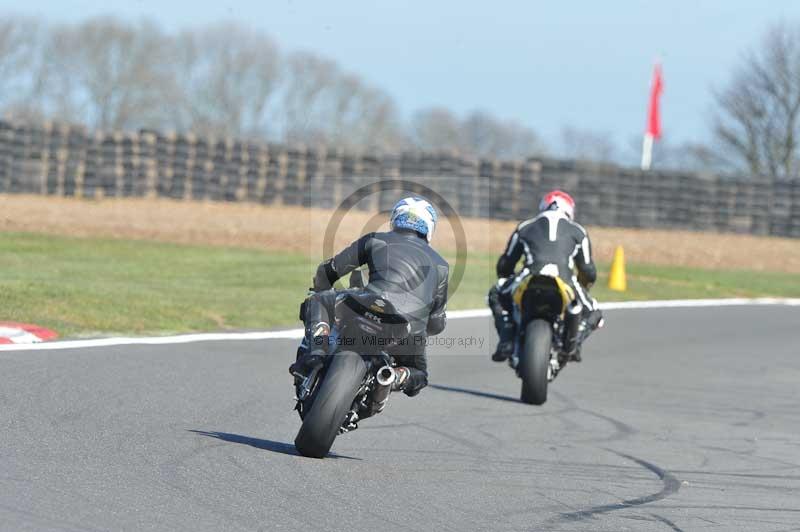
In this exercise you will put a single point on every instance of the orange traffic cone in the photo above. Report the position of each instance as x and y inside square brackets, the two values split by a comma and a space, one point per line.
[616, 278]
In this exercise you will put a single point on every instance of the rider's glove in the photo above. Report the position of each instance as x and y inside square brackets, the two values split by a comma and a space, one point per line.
[325, 276]
[582, 279]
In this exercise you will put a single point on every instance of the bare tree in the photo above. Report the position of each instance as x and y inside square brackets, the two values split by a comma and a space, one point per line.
[226, 75]
[512, 139]
[323, 104]
[478, 134]
[379, 124]
[435, 129]
[756, 123]
[20, 40]
[583, 144]
[223, 79]
[306, 80]
[689, 156]
[361, 116]
[109, 73]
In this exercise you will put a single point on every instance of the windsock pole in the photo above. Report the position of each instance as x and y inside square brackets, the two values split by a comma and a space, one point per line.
[647, 151]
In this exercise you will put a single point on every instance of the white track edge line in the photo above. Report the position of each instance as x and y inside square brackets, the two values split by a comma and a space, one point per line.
[295, 334]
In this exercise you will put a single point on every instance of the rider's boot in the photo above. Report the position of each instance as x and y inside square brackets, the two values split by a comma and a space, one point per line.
[572, 329]
[498, 303]
[307, 361]
[402, 374]
[505, 347]
[595, 320]
[592, 320]
[504, 351]
[313, 357]
[409, 380]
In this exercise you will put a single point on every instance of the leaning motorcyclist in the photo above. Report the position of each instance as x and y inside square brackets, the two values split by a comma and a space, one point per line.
[403, 270]
[551, 243]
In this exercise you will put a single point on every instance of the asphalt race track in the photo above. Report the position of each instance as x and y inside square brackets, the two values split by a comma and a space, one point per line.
[678, 419]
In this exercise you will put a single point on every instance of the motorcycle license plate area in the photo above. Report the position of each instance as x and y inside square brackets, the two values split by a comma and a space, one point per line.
[541, 296]
[369, 324]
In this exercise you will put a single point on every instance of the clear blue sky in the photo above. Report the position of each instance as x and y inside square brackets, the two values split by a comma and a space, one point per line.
[546, 64]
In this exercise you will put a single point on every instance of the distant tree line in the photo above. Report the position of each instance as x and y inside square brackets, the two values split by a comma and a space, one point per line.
[755, 118]
[223, 79]
[226, 79]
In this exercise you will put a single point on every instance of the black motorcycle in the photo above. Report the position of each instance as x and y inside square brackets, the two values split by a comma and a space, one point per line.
[356, 377]
[547, 317]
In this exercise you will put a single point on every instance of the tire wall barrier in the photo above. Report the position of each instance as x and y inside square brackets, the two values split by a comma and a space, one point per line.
[63, 160]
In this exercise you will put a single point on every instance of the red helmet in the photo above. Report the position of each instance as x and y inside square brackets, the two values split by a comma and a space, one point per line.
[563, 202]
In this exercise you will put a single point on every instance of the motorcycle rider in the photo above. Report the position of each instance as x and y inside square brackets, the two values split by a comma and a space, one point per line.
[405, 271]
[551, 244]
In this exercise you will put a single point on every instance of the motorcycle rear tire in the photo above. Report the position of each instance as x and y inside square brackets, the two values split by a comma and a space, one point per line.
[535, 362]
[332, 401]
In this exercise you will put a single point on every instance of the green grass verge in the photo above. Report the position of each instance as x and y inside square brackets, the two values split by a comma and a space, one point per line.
[648, 282]
[85, 287]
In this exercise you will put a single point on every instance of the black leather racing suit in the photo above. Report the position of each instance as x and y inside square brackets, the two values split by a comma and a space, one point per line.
[551, 244]
[404, 270]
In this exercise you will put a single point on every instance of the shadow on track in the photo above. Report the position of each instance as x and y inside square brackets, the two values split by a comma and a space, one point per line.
[258, 443]
[476, 393]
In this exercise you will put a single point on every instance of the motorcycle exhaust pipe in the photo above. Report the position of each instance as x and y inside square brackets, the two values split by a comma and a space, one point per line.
[384, 380]
[386, 376]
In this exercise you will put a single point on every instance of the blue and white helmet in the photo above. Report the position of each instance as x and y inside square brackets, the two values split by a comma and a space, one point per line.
[416, 214]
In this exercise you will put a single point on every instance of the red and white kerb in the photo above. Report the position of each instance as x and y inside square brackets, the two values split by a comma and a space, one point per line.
[24, 333]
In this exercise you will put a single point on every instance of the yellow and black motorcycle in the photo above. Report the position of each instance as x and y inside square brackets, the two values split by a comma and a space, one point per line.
[547, 317]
